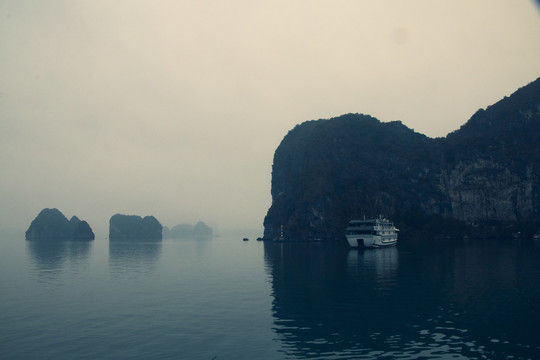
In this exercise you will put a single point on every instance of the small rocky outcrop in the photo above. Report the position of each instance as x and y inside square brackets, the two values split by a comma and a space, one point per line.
[51, 224]
[133, 227]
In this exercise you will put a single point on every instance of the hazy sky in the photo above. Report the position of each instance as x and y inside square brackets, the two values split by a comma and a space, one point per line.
[175, 108]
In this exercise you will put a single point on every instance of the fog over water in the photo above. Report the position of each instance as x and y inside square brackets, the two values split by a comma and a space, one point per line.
[175, 108]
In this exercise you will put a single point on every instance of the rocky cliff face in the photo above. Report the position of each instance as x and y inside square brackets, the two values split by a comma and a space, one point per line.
[133, 227]
[51, 224]
[483, 178]
[484, 190]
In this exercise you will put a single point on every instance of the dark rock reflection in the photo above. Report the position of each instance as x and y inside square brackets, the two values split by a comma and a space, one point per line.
[134, 257]
[51, 257]
[465, 300]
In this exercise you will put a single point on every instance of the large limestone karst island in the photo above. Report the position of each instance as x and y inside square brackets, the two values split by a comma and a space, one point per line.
[133, 227]
[480, 180]
[51, 224]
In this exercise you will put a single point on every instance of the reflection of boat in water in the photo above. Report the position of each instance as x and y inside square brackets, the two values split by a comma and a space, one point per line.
[382, 261]
[379, 266]
[369, 233]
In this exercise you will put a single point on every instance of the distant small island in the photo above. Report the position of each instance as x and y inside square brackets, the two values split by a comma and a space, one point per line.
[133, 227]
[51, 224]
[188, 231]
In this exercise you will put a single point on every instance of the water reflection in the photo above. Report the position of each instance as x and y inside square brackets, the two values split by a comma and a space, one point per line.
[467, 300]
[325, 297]
[50, 258]
[381, 264]
[500, 283]
[133, 258]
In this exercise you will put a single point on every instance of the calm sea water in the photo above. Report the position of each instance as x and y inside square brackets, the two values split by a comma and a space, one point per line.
[228, 299]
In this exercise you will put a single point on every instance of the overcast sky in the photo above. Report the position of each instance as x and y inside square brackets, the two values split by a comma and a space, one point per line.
[175, 108]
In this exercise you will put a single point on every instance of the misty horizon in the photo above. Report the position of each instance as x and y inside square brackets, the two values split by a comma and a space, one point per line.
[175, 109]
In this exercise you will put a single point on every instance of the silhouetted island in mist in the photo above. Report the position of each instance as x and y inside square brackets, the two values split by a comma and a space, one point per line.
[188, 231]
[133, 227]
[480, 180]
[51, 224]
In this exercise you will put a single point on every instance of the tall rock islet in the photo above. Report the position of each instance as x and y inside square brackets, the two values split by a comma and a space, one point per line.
[134, 227]
[51, 224]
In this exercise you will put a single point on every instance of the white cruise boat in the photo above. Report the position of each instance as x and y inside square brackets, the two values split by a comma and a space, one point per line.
[370, 233]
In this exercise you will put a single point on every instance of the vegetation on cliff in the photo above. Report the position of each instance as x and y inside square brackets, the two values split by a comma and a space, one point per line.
[483, 179]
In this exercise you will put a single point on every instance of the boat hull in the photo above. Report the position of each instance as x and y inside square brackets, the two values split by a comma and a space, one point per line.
[371, 241]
